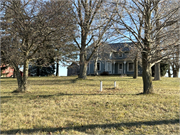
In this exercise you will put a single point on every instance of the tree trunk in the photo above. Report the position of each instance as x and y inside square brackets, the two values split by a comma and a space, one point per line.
[175, 71]
[176, 64]
[135, 67]
[57, 69]
[95, 66]
[19, 78]
[25, 75]
[169, 72]
[14, 73]
[83, 71]
[146, 65]
[83, 64]
[146, 75]
[157, 75]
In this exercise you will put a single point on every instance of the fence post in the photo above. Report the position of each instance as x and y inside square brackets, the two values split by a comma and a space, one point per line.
[114, 84]
[100, 85]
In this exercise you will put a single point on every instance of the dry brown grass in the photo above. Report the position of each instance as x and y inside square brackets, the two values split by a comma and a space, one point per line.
[65, 105]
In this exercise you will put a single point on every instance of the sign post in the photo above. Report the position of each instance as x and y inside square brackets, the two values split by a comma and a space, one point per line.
[100, 85]
[114, 84]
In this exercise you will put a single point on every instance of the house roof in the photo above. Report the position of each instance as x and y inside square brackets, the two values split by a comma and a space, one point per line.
[115, 47]
[73, 63]
[124, 47]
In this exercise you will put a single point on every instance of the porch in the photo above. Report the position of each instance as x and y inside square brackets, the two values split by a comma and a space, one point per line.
[122, 68]
[112, 67]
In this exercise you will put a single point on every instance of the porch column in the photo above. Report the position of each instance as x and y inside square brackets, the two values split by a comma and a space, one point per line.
[124, 67]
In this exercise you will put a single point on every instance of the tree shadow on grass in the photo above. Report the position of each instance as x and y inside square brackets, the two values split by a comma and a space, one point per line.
[70, 81]
[84, 128]
[5, 78]
[59, 82]
[64, 94]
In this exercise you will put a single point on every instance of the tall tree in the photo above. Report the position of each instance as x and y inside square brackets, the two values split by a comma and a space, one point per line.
[174, 62]
[136, 50]
[157, 75]
[128, 25]
[93, 21]
[66, 52]
[27, 26]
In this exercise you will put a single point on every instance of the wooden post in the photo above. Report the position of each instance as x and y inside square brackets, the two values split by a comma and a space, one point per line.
[114, 84]
[100, 85]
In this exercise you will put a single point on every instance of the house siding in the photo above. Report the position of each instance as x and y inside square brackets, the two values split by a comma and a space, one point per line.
[102, 67]
[114, 57]
[91, 67]
[73, 69]
[114, 68]
[91, 71]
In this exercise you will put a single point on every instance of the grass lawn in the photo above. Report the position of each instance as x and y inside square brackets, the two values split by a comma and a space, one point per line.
[65, 105]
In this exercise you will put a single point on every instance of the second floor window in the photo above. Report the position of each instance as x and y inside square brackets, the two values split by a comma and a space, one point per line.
[108, 64]
[120, 54]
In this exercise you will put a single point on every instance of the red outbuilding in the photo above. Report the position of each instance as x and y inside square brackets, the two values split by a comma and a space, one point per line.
[6, 71]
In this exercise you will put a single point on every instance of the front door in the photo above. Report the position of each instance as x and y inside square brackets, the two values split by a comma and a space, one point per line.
[120, 68]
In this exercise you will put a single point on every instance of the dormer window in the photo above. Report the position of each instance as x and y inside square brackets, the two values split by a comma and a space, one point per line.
[120, 54]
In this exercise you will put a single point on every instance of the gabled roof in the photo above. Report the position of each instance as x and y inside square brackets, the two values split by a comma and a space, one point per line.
[115, 47]
[73, 64]
[124, 47]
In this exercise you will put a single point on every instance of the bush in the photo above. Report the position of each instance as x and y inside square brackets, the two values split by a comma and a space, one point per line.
[105, 73]
[163, 69]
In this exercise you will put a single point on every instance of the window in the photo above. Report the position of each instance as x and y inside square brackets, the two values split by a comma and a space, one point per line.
[108, 65]
[130, 67]
[120, 66]
[120, 54]
[98, 66]
[126, 54]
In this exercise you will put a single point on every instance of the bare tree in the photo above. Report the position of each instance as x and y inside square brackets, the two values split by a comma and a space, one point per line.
[174, 58]
[147, 41]
[137, 52]
[103, 53]
[66, 52]
[157, 75]
[174, 62]
[27, 26]
[93, 21]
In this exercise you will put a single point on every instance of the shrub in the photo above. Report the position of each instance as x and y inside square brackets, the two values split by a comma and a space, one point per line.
[105, 73]
[163, 69]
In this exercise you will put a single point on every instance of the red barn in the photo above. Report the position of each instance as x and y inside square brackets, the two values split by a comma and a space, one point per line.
[6, 71]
